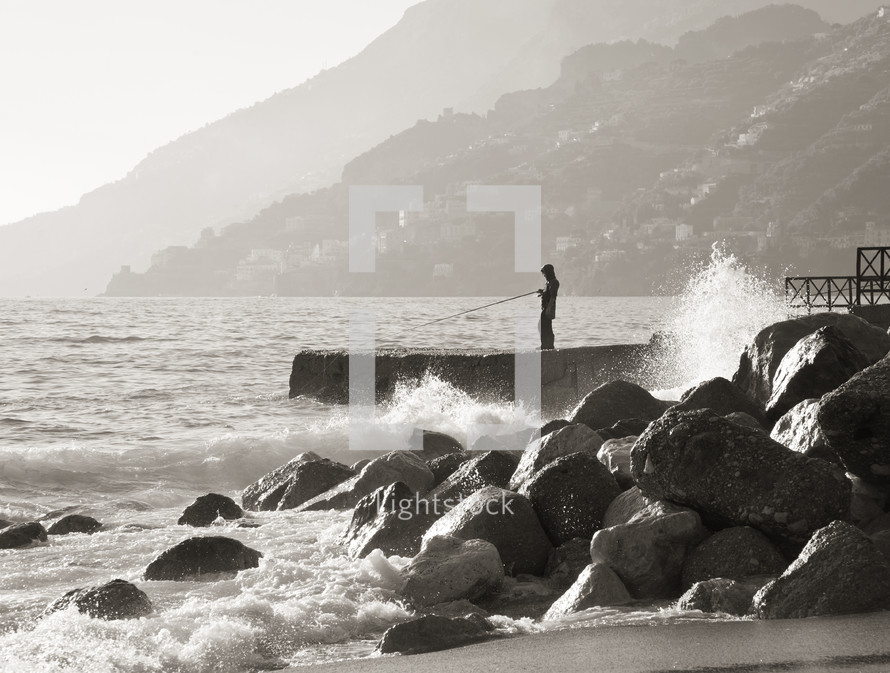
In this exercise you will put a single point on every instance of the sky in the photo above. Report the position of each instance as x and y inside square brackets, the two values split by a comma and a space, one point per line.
[89, 87]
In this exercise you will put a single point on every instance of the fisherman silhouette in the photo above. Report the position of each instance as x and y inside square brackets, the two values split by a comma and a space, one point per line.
[548, 307]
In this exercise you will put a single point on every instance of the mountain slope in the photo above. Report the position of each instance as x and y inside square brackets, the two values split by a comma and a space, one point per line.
[438, 53]
[615, 143]
[442, 53]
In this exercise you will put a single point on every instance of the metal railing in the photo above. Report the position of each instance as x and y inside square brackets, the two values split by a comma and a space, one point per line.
[870, 285]
[827, 292]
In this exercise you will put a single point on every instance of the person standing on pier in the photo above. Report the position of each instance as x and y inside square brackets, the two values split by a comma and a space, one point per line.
[548, 307]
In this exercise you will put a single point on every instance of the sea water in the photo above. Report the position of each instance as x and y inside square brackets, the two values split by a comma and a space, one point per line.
[128, 409]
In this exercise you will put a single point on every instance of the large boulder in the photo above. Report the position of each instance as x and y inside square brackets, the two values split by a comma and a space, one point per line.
[761, 358]
[74, 523]
[625, 507]
[815, 365]
[505, 519]
[723, 398]
[392, 519]
[597, 585]
[432, 633]
[839, 571]
[615, 455]
[867, 502]
[199, 556]
[389, 468]
[732, 597]
[21, 535]
[391, 498]
[616, 401]
[648, 552]
[207, 508]
[570, 496]
[855, 419]
[265, 494]
[444, 466]
[626, 427]
[798, 429]
[451, 569]
[732, 553]
[573, 438]
[117, 599]
[737, 476]
[565, 563]
[491, 468]
[437, 444]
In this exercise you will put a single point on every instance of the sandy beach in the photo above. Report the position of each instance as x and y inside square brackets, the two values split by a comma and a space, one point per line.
[853, 643]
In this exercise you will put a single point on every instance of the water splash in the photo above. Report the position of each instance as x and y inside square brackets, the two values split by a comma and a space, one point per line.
[720, 310]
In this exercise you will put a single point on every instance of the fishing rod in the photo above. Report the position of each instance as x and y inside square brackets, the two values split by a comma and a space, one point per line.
[478, 308]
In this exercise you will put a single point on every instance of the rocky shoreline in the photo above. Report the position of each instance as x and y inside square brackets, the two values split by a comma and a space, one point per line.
[763, 497]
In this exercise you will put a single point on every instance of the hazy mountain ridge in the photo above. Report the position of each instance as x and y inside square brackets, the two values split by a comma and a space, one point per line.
[608, 177]
[298, 139]
[443, 53]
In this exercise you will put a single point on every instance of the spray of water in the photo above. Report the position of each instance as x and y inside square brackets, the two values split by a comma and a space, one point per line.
[720, 310]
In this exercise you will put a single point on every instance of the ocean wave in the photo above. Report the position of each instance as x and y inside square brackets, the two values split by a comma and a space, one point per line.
[306, 594]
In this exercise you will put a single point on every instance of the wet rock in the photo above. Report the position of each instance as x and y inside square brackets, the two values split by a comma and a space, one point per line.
[384, 499]
[389, 468]
[648, 552]
[616, 401]
[615, 455]
[432, 633]
[625, 507]
[444, 466]
[570, 495]
[574, 438]
[798, 429]
[5, 524]
[855, 419]
[509, 443]
[505, 519]
[492, 468]
[732, 553]
[881, 540]
[74, 523]
[867, 501]
[722, 397]
[597, 585]
[436, 444]
[566, 562]
[200, 556]
[815, 365]
[450, 569]
[839, 571]
[735, 476]
[552, 426]
[628, 427]
[117, 599]
[731, 597]
[207, 508]
[391, 519]
[307, 476]
[359, 465]
[761, 358]
[741, 418]
[877, 524]
[21, 535]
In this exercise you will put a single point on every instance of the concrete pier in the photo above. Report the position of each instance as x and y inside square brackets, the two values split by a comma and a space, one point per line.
[567, 375]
